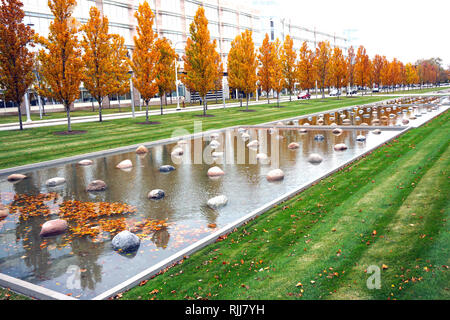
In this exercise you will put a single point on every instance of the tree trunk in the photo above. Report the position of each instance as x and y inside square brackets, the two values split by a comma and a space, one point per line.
[204, 105]
[247, 101]
[118, 99]
[100, 110]
[162, 105]
[146, 111]
[69, 126]
[20, 114]
[268, 100]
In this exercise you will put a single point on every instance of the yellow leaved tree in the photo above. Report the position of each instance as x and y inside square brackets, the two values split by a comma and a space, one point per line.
[322, 64]
[267, 63]
[145, 56]
[121, 67]
[288, 62]
[242, 64]
[60, 56]
[166, 66]
[306, 73]
[363, 68]
[202, 63]
[98, 72]
[338, 69]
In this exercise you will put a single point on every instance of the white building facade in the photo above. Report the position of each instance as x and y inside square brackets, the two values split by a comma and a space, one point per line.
[226, 19]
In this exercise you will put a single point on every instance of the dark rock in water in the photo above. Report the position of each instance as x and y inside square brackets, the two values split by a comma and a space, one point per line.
[166, 168]
[319, 137]
[125, 242]
[156, 194]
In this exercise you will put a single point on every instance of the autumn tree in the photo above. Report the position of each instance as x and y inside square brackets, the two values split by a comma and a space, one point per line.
[378, 63]
[98, 72]
[306, 73]
[60, 56]
[288, 62]
[362, 68]
[412, 76]
[267, 63]
[201, 60]
[322, 64]
[145, 56]
[166, 65]
[338, 69]
[16, 61]
[278, 79]
[351, 66]
[394, 73]
[121, 67]
[242, 64]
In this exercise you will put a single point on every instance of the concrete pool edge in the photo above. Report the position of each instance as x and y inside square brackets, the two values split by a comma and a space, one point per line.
[60, 161]
[39, 292]
[31, 290]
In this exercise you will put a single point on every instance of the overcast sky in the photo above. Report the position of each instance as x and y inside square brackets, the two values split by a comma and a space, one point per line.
[406, 29]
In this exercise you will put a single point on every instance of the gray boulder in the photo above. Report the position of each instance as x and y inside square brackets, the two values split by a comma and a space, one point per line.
[125, 242]
[217, 202]
[53, 182]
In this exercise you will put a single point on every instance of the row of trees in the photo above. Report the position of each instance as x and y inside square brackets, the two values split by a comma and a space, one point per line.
[278, 66]
[74, 53]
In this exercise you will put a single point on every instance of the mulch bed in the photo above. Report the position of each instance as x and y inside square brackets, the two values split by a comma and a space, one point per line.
[149, 123]
[204, 116]
[69, 133]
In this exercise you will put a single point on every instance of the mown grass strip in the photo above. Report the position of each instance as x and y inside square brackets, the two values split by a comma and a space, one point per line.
[315, 245]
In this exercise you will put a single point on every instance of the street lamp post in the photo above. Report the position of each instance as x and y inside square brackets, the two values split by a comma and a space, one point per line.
[176, 75]
[132, 93]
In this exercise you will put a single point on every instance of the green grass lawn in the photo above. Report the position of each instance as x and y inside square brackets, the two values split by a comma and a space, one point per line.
[389, 209]
[105, 111]
[40, 144]
[414, 91]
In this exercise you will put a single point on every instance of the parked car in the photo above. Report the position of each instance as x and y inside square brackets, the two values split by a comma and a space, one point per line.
[335, 93]
[376, 89]
[352, 91]
[304, 95]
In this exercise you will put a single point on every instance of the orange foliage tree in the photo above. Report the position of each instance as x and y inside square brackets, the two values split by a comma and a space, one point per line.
[363, 68]
[166, 66]
[306, 74]
[267, 63]
[351, 66]
[378, 63]
[98, 72]
[60, 56]
[412, 77]
[242, 64]
[338, 69]
[145, 56]
[278, 77]
[121, 67]
[288, 61]
[202, 63]
[16, 61]
[322, 64]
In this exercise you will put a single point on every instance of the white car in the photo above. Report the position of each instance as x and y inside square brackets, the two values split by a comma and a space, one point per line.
[335, 92]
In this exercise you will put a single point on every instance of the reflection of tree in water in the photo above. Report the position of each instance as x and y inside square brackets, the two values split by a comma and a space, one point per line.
[88, 253]
[36, 255]
[161, 238]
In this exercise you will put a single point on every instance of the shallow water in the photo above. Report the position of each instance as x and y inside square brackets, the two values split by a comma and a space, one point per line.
[85, 267]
